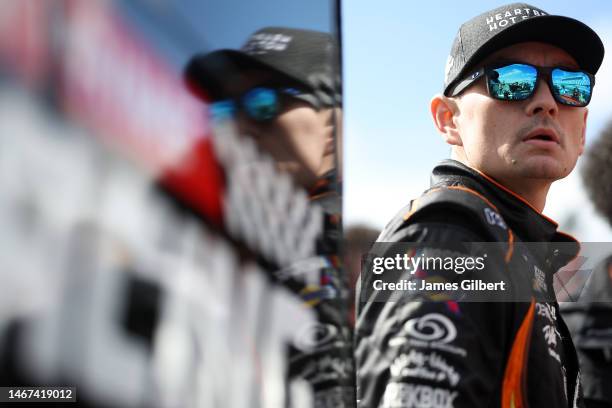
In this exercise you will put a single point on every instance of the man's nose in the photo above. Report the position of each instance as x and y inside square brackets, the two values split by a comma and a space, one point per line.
[542, 101]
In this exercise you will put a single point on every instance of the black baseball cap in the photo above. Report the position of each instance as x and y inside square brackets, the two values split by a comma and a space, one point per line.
[515, 23]
[300, 57]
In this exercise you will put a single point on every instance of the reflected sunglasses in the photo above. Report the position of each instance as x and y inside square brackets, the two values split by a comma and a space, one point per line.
[261, 104]
[518, 82]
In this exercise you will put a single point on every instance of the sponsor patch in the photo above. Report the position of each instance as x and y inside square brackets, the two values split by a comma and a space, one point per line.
[400, 395]
[549, 330]
[426, 366]
[494, 218]
[327, 368]
[433, 331]
[548, 311]
[550, 334]
[317, 335]
[539, 280]
[431, 327]
[511, 16]
[263, 43]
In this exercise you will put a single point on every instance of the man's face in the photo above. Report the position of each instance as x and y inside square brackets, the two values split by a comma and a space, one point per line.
[497, 137]
[297, 139]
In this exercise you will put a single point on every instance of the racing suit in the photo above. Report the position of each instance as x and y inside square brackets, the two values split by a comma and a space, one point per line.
[590, 322]
[496, 354]
[328, 366]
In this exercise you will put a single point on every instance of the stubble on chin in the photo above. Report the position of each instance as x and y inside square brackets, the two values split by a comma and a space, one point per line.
[547, 166]
[545, 169]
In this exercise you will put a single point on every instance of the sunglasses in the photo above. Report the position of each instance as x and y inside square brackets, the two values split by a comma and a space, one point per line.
[519, 81]
[261, 104]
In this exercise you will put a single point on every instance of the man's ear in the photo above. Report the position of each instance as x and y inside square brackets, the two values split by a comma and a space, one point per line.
[583, 136]
[443, 113]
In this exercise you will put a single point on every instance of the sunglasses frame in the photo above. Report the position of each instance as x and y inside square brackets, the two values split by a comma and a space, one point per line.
[541, 73]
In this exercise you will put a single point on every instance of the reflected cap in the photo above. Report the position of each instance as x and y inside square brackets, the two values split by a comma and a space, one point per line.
[302, 57]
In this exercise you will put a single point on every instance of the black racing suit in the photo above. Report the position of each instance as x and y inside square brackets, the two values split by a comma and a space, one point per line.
[495, 354]
[328, 367]
[590, 322]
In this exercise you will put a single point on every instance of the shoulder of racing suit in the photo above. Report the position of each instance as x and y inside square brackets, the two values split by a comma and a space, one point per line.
[484, 355]
[456, 207]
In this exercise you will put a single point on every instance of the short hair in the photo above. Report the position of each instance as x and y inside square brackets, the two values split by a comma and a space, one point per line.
[597, 173]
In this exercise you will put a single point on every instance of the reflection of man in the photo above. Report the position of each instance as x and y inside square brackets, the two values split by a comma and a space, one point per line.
[280, 89]
[507, 149]
[590, 318]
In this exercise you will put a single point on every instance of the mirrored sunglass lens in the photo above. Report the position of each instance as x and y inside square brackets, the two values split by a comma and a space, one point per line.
[261, 103]
[512, 82]
[222, 110]
[573, 88]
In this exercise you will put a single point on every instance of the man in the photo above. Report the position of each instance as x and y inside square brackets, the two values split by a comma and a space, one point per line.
[513, 111]
[281, 90]
[590, 317]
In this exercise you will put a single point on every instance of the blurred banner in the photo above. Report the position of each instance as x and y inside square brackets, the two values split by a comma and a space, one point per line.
[155, 252]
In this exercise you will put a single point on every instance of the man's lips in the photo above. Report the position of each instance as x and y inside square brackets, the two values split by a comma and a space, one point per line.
[543, 137]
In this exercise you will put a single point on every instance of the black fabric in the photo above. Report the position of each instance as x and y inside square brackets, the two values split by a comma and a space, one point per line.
[328, 368]
[515, 23]
[528, 223]
[394, 370]
[590, 322]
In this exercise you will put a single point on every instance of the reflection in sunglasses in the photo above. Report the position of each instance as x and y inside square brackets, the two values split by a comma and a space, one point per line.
[518, 82]
[261, 104]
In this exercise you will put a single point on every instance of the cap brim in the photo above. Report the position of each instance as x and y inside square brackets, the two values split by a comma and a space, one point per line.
[212, 71]
[571, 35]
